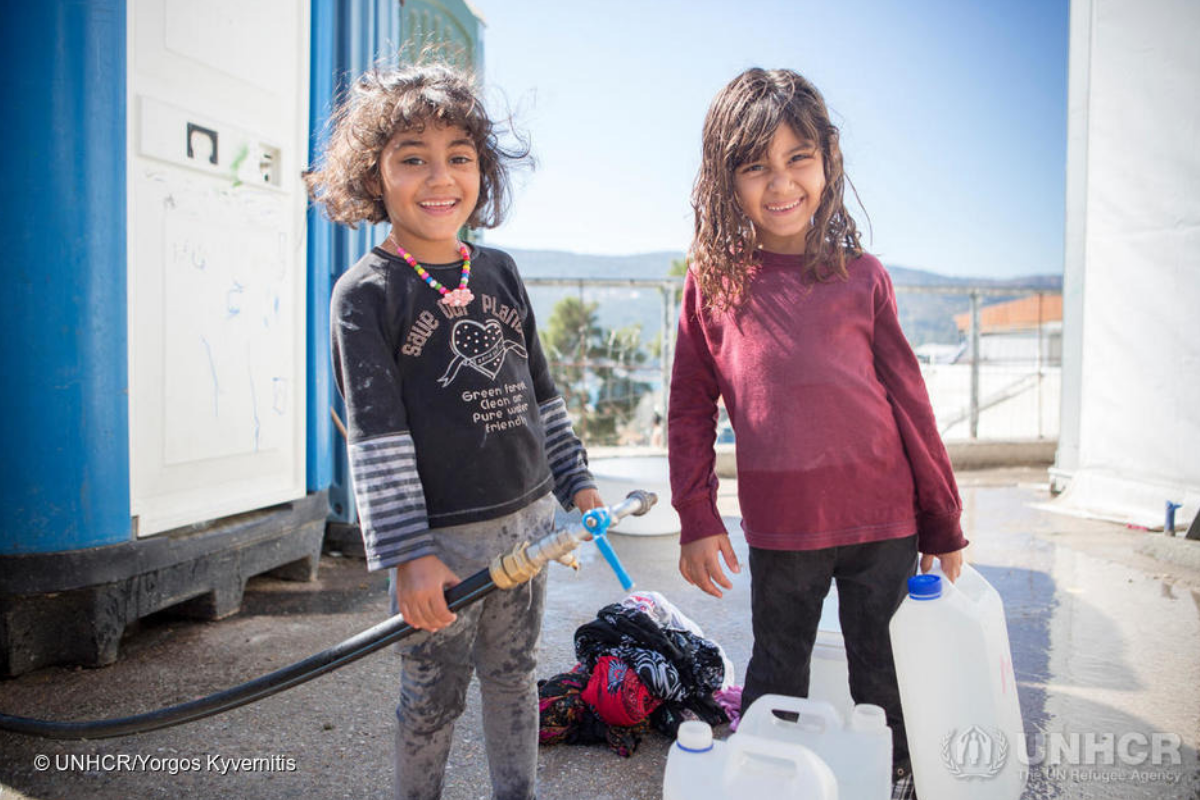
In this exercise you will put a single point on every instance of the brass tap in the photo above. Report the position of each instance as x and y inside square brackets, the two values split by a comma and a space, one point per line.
[512, 569]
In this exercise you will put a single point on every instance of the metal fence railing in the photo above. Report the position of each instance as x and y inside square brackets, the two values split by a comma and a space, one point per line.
[1010, 363]
[998, 380]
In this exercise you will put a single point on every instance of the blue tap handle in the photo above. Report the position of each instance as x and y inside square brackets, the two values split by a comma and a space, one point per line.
[597, 521]
[611, 557]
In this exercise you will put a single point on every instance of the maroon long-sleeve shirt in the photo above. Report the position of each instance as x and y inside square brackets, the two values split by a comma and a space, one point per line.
[836, 440]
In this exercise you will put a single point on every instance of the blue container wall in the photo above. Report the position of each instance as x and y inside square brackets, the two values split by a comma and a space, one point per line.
[349, 36]
[65, 411]
[319, 456]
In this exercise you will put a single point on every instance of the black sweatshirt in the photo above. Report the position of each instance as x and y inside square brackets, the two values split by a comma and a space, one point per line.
[452, 414]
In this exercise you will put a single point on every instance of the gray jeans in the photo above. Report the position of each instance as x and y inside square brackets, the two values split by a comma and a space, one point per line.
[497, 637]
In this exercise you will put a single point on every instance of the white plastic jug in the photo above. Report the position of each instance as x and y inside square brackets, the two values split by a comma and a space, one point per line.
[858, 751]
[957, 689]
[828, 674]
[743, 767]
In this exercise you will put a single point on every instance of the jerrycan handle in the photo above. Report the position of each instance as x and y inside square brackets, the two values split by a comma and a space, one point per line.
[970, 584]
[750, 745]
[812, 715]
[743, 744]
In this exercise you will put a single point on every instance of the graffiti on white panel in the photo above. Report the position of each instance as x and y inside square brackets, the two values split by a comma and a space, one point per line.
[227, 331]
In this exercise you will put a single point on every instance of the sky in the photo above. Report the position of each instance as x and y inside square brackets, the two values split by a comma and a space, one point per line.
[953, 118]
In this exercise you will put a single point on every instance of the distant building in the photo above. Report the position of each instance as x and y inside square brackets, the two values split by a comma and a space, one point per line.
[934, 353]
[1028, 329]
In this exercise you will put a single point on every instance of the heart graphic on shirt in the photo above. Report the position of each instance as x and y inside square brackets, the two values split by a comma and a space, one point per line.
[471, 339]
[481, 346]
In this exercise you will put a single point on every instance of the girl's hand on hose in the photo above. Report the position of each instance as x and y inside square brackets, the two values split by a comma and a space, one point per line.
[420, 587]
[699, 564]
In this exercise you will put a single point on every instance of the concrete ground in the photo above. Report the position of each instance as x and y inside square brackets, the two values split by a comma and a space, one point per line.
[1105, 637]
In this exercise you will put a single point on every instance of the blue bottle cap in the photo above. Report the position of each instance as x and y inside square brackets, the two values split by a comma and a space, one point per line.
[925, 587]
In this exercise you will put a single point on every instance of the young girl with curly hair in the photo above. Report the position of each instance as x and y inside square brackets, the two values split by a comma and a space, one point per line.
[841, 472]
[458, 439]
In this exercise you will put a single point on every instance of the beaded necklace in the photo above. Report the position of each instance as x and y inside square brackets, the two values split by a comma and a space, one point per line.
[451, 297]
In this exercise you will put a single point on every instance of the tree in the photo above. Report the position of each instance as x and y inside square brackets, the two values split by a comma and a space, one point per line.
[619, 392]
[678, 269]
[572, 329]
[593, 368]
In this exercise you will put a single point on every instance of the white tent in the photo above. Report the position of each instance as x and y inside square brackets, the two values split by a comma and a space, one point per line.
[1130, 430]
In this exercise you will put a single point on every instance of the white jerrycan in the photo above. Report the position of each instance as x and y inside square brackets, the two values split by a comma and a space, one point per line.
[858, 751]
[957, 689]
[828, 674]
[743, 767]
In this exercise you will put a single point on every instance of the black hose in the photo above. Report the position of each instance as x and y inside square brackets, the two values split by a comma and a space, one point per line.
[391, 630]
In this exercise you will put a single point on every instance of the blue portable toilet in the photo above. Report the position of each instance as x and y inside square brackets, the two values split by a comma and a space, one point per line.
[167, 430]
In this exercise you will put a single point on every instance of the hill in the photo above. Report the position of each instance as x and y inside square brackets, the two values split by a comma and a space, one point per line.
[560, 264]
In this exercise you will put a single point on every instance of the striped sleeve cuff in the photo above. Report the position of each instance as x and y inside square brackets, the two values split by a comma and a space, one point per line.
[391, 502]
[564, 452]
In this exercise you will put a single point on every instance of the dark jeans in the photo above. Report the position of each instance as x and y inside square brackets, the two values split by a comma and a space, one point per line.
[787, 588]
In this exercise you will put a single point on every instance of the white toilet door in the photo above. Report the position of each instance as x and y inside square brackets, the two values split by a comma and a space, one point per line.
[217, 97]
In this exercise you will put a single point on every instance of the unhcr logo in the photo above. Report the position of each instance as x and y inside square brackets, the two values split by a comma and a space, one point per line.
[975, 753]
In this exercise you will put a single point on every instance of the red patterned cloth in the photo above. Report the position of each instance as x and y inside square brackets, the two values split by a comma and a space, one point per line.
[561, 710]
[567, 719]
[617, 694]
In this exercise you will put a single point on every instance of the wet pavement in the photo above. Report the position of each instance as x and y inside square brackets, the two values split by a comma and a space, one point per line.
[1106, 645]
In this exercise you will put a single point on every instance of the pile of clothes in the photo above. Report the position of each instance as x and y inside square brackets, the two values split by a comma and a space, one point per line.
[642, 665]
